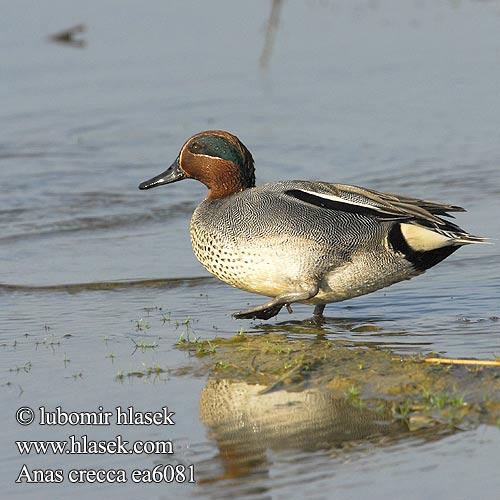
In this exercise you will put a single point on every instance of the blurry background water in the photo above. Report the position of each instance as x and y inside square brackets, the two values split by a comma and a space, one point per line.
[397, 96]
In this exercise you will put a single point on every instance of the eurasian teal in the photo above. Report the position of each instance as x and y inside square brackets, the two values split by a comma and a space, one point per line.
[304, 241]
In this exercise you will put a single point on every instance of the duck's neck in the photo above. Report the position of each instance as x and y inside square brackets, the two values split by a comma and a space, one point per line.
[231, 179]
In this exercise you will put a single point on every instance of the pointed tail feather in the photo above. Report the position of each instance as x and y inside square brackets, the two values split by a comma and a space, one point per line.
[424, 238]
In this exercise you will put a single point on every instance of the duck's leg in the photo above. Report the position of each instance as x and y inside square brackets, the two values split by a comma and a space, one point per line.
[273, 307]
[318, 311]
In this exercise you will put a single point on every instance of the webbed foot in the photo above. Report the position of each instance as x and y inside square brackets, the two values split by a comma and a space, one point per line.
[259, 312]
[274, 306]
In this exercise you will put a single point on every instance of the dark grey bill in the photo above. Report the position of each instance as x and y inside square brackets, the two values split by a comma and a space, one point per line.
[172, 174]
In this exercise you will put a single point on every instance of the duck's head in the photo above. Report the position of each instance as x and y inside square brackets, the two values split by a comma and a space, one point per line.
[214, 157]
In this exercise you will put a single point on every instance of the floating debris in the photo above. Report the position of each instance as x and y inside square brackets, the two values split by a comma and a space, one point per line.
[68, 35]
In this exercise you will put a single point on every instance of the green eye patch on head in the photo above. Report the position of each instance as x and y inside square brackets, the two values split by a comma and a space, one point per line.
[216, 146]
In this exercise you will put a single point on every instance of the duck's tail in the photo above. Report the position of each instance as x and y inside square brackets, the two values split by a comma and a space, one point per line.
[424, 238]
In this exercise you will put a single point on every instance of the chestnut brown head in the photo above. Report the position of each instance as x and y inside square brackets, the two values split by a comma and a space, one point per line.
[216, 158]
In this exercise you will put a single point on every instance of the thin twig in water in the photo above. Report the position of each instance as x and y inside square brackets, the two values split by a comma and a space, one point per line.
[450, 361]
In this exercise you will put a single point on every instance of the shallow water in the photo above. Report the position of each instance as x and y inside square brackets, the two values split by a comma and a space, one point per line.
[397, 96]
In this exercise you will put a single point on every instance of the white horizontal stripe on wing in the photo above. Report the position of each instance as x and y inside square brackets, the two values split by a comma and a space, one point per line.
[332, 197]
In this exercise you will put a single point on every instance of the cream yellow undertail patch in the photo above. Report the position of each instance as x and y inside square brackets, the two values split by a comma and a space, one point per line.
[422, 239]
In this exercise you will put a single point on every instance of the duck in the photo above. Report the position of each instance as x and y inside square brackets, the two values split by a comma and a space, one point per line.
[304, 241]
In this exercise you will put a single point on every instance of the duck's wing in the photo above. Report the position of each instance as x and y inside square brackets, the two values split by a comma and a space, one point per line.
[420, 220]
[363, 201]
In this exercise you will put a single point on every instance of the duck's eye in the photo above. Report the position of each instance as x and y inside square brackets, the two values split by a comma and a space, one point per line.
[195, 147]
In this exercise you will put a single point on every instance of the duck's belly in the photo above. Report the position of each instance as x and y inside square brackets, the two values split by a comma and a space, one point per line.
[365, 273]
[267, 267]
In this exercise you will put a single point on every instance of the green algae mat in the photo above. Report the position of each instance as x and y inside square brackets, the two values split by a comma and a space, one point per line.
[271, 376]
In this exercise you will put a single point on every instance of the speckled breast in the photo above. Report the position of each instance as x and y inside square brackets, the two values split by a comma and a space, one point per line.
[242, 245]
[259, 263]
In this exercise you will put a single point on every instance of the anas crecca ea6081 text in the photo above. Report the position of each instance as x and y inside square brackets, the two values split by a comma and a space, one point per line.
[304, 241]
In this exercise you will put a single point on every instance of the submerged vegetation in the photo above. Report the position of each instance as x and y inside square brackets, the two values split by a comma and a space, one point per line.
[146, 371]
